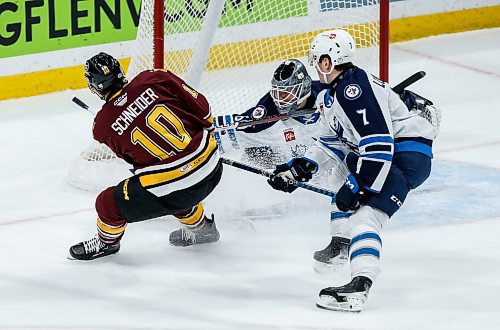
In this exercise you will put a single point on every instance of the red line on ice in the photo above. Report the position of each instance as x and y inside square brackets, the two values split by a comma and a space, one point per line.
[439, 59]
[34, 218]
[470, 146]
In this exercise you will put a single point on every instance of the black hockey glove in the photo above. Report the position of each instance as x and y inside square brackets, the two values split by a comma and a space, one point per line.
[348, 196]
[300, 169]
[280, 182]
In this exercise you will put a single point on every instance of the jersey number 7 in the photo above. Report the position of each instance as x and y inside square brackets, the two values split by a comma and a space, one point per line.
[363, 113]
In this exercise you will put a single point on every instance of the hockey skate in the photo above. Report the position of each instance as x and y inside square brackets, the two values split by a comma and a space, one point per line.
[92, 249]
[333, 257]
[206, 232]
[348, 298]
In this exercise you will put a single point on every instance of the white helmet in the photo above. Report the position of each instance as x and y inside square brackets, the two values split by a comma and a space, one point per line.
[337, 44]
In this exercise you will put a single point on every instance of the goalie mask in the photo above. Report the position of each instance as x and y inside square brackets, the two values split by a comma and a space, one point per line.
[290, 86]
[104, 75]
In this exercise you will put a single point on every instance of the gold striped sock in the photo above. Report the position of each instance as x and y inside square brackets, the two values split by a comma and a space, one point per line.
[194, 217]
[108, 233]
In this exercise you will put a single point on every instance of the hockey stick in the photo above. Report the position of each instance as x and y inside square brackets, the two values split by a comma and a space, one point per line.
[265, 173]
[83, 105]
[399, 88]
[239, 121]
[298, 113]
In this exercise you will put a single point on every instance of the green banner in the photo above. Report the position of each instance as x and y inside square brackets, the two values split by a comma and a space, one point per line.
[184, 15]
[36, 26]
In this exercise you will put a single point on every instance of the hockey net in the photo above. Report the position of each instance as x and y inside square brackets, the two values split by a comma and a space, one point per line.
[228, 50]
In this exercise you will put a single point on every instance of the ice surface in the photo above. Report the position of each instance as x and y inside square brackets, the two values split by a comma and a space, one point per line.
[440, 261]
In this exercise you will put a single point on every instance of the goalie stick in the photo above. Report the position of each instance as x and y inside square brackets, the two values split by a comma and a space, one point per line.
[298, 113]
[235, 121]
[238, 121]
[265, 173]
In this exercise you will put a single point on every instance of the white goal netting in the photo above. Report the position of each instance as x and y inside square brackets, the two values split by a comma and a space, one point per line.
[228, 50]
[219, 46]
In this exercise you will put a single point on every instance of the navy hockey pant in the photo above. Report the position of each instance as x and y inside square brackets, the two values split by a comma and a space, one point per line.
[409, 170]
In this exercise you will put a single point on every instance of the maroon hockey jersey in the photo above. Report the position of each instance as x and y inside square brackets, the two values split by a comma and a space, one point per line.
[159, 125]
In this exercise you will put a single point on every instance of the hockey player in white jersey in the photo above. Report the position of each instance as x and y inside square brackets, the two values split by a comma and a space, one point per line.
[391, 152]
[270, 143]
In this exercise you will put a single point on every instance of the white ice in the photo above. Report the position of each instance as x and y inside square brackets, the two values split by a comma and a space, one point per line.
[440, 263]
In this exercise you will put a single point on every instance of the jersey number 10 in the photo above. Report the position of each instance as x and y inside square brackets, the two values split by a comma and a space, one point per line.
[178, 138]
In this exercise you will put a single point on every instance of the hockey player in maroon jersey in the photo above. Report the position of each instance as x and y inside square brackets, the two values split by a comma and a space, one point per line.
[163, 128]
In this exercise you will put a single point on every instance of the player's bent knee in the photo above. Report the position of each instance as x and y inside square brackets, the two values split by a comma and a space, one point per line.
[106, 207]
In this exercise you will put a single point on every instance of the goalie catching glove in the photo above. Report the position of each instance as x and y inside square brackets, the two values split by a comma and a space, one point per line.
[413, 101]
[422, 107]
[298, 169]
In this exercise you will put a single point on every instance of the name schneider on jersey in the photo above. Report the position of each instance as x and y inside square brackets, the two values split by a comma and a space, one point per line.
[133, 110]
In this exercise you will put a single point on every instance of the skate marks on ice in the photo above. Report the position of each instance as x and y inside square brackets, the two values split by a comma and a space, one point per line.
[454, 193]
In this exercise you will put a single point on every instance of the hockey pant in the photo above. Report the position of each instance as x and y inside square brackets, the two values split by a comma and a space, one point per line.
[130, 202]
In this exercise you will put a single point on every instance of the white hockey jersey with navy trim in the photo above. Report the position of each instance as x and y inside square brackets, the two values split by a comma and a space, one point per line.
[363, 112]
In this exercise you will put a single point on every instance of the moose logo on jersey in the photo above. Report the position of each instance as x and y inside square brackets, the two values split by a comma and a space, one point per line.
[289, 135]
